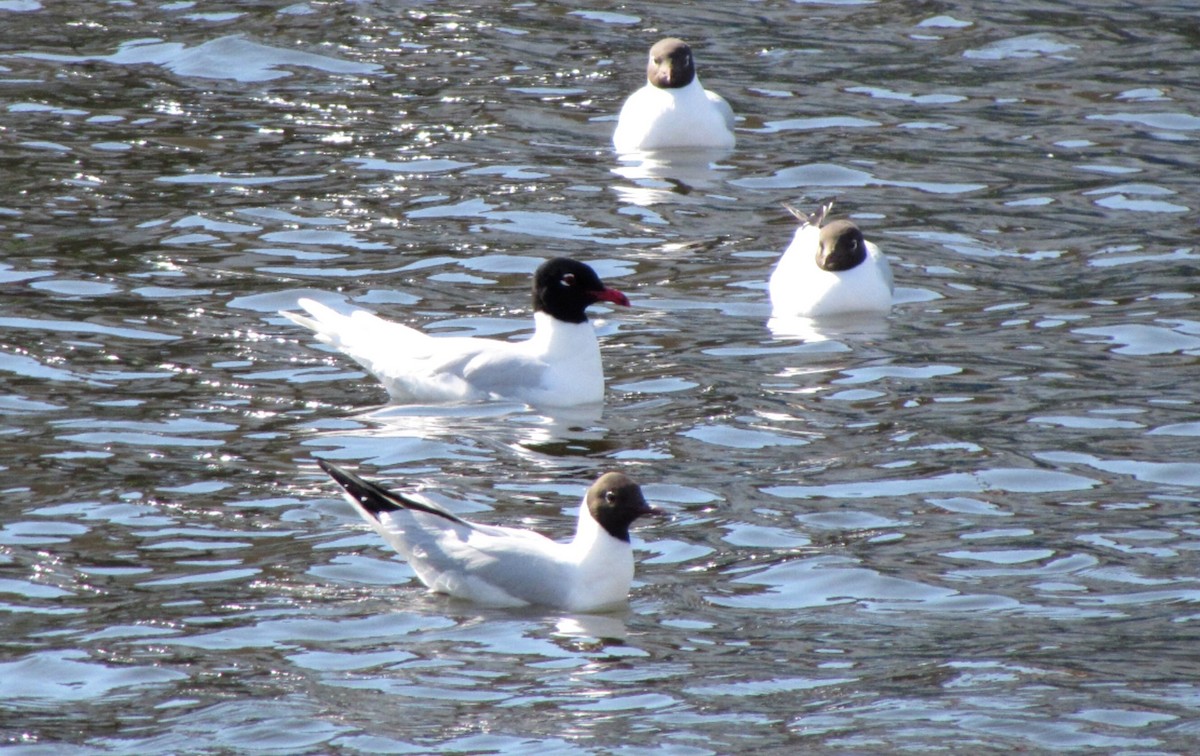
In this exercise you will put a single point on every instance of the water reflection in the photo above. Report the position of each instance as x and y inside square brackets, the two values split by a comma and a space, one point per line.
[550, 433]
[832, 175]
[665, 177]
[233, 58]
[593, 628]
[815, 330]
[914, 533]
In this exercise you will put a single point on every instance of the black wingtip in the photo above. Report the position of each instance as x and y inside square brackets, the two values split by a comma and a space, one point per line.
[375, 499]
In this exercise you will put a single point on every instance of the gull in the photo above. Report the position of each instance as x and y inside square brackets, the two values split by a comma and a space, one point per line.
[673, 111]
[558, 366]
[829, 269]
[503, 566]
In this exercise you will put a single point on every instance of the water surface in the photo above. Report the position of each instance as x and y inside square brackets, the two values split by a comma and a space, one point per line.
[970, 525]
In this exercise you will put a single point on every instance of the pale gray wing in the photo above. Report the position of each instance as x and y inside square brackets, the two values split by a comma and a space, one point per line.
[722, 106]
[521, 563]
[885, 268]
[470, 367]
[496, 372]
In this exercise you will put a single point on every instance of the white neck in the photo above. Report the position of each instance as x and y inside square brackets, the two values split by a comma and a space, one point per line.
[549, 330]
[587, 530]
[571, 354]
[552, 337]
[606, 563]
[693, 89]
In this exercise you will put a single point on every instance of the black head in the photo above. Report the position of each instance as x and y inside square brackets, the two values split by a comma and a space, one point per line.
[842, 247]
[563, 288]
[671, 65]
[615, 502]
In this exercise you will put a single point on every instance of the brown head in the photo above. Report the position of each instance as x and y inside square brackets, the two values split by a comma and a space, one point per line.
[671, 65]
[615, 501]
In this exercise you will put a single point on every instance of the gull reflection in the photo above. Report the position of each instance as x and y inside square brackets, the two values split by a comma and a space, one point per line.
[522, 425]
[600, 628]
[476, 432]
[660, 177]
[829, 328]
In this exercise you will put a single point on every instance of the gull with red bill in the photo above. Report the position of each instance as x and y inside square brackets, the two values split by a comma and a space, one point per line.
[558, 366]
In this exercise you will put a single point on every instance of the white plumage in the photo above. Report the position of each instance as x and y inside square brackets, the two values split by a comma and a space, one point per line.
[559, 365]
[673, 111]
[830, 269]
[501, 566]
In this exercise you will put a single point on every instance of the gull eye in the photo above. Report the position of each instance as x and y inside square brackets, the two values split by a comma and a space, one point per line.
[568, 280]
[610, 496]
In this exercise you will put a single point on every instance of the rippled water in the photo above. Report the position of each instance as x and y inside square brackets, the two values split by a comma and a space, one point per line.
[972, 525]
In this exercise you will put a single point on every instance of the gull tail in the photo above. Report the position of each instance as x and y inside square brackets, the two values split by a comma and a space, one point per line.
[808, 219]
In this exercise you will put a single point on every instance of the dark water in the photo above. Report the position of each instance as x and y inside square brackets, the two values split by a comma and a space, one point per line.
[972, 526]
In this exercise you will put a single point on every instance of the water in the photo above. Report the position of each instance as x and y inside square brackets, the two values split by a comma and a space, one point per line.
[970, 526]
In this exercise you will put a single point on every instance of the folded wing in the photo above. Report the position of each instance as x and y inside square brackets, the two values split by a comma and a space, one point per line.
[483, 563]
